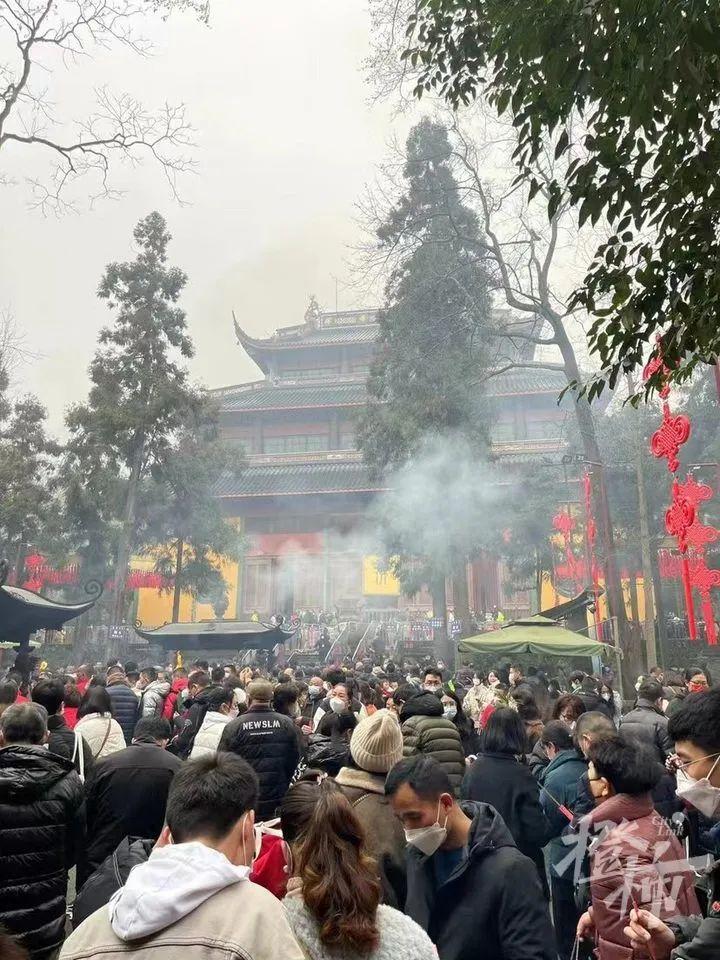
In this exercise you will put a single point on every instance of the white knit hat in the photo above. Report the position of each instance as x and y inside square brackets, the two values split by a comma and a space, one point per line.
[377, 743]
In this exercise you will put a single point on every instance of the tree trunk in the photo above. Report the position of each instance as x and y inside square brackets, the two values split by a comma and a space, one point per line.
[461, 600]
[657, 595]
[177, 589]
[645, 548]
[20, 561]
[591, 450]
[125, 542]
[647, 572]
[439, 599]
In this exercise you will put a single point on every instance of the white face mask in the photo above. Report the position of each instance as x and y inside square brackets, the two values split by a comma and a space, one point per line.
[450, 712]
[428, 839]
[432, 688]
[337, 705]
[700, 793]
[605, 696]
[314, 690]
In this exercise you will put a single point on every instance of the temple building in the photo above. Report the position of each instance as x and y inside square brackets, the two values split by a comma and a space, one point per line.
[302, 498]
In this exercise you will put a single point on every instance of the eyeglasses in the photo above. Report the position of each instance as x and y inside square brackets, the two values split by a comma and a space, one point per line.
[675, 762]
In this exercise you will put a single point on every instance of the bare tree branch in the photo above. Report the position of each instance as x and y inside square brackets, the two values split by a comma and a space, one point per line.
[119, 129]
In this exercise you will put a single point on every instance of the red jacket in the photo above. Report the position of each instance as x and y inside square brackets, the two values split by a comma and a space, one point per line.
[637, 860]
[70, 714]
[82, 685]
[170, 705]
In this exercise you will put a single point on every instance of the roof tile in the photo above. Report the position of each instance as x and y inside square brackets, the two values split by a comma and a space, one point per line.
[284, 479]
[272, 396]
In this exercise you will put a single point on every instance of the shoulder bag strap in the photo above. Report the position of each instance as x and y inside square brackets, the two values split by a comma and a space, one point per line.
[105, 740]
[80, 748]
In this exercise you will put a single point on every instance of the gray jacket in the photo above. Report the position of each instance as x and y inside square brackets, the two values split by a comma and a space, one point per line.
[153, 698]
[400, 937]
[647, 726]
[699, 938]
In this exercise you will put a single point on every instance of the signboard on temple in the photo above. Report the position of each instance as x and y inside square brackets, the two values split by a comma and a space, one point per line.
[377, 581]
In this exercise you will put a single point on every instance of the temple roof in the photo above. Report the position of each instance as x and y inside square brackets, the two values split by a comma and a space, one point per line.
[320, 330]
[24, 611]
[265, 395]
[216, 635]
[298, 395]
[295, 479]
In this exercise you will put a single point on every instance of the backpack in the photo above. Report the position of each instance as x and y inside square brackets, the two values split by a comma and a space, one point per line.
[186, 727]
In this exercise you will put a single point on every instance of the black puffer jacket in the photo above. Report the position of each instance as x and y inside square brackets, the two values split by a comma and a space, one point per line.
[125, 706]
[110, 876]
[42, 826]
[426, 730]
[269, 742]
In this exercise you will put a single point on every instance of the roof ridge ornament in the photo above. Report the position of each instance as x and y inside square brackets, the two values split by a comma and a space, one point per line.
[313, 313]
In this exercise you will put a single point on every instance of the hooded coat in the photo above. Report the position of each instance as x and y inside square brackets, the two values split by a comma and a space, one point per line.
[426, 730]
[385, 836]
[42, 826]
[186, 901]
[491, 905]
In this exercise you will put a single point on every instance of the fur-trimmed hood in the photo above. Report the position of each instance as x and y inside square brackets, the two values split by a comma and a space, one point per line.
[361, 780]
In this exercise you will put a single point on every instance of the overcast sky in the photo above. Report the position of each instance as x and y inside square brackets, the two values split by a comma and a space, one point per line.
[286, 140]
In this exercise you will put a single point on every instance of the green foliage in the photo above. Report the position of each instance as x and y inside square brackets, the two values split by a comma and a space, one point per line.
[644, 80]
[143, 451]
[28, 480]
[425, 415]
[531, 496]
[180, 507]
[433, 329]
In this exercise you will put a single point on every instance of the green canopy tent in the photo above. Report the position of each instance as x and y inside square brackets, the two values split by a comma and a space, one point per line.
[538, 635]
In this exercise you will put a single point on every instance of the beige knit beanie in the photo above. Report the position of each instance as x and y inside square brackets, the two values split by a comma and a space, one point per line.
[377, 742]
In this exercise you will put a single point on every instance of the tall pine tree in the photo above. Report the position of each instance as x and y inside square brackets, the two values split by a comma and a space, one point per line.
[28, 480]
[435, 330]
[124, 440]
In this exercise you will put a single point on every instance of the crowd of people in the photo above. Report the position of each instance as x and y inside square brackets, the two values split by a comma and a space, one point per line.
[377, 810]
